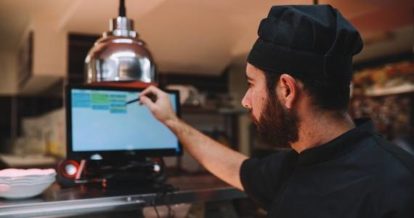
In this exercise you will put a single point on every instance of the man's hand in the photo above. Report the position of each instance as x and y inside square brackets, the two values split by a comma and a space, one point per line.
[158, 103]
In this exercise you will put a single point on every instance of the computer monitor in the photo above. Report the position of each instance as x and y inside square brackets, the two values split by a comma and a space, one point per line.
[102, 126]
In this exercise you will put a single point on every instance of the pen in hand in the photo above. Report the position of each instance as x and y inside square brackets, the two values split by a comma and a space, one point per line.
[151, 96]
[131, 101]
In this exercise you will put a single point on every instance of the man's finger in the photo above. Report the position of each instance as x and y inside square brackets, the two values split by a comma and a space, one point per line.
[152, 90]
[147, 102]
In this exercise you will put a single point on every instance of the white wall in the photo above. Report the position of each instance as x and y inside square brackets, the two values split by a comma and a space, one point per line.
[49, 58]
[50, 47]
[49, 54]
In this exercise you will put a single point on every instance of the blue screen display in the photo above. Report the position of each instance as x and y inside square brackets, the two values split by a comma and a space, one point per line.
[102, 121]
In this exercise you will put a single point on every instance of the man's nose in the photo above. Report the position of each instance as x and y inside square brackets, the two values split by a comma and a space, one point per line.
[245, 103]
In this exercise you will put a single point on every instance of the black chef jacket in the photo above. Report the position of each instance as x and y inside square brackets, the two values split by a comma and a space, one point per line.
[356, 175]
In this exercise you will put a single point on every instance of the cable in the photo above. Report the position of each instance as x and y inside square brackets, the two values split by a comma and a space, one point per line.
[122, 9]
[154, 205]
[170, 212]
[162, 196]
[156, 211]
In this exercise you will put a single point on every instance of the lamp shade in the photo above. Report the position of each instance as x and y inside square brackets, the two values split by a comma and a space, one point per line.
[119, 55]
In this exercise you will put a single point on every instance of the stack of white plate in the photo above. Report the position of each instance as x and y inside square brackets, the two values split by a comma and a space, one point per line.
[25, 183]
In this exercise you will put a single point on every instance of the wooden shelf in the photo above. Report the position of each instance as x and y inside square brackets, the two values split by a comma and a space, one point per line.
[402, 89]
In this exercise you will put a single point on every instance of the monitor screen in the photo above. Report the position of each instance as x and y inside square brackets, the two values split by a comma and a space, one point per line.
[102, 125]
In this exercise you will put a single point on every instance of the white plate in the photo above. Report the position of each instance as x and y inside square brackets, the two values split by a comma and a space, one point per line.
[13, 173]
[28, 181]
[23, 191]
[25, 183]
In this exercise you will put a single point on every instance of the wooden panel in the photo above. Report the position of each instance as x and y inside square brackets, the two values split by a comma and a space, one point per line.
[79, 45]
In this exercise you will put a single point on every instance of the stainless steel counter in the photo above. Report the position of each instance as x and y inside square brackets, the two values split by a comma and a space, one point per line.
[62, 202]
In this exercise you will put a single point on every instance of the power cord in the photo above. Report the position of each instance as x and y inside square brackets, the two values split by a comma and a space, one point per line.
[163, 195]
[156, 210]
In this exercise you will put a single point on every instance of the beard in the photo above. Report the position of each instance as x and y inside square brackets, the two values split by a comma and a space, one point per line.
[277, 126]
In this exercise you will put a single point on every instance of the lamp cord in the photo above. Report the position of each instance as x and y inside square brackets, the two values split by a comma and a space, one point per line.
[122, 9]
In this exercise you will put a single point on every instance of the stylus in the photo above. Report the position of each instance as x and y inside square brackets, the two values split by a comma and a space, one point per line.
[151, 96]
[131, 101]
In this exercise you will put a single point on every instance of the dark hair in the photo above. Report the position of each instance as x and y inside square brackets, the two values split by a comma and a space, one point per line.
[325, 96]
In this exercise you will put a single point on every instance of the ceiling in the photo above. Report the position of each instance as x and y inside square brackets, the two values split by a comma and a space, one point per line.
[205, 36]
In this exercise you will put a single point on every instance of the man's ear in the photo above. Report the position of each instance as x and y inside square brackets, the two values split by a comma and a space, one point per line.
[288, 88]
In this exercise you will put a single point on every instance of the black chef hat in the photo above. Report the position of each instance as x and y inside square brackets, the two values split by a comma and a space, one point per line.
[306, 40]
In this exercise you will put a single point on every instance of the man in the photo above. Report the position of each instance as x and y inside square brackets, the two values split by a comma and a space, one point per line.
[299, 73]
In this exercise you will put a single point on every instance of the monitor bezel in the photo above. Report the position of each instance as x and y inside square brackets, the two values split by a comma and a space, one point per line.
[114, 154]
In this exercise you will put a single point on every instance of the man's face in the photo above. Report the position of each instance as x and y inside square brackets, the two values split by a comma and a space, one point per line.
[256, 94]
[276, 125]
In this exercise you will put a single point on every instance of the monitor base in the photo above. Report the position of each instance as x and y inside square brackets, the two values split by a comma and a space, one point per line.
[143, 173]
